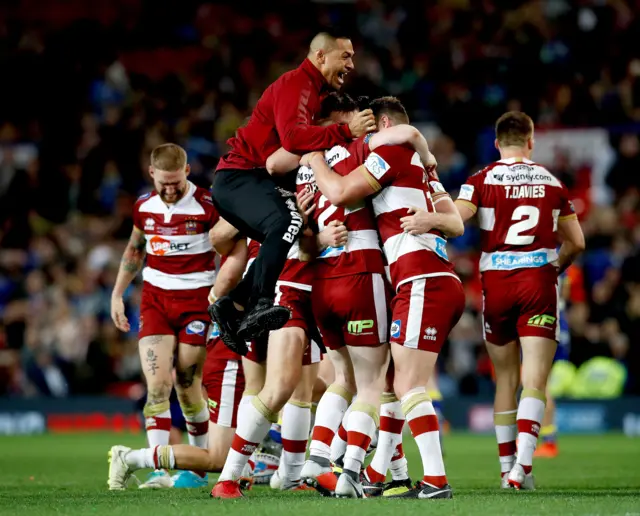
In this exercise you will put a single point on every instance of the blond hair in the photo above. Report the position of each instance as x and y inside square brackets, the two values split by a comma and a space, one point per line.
[168, 157]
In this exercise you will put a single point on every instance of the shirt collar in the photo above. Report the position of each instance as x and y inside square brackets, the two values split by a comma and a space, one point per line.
[511, 161]
[314, 74]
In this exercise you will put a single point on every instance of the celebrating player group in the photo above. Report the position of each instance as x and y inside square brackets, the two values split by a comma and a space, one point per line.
[335, 291]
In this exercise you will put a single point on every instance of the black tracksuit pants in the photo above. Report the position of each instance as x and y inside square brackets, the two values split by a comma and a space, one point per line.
[252, 201]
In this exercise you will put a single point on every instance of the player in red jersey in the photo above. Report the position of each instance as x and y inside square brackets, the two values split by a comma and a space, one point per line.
[429, 297]
[522, 210]
[223, 380]
[171, 227]
[248, 197]
[350, 306]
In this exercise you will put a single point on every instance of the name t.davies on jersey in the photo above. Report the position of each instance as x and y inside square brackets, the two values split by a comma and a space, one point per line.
[524, 192]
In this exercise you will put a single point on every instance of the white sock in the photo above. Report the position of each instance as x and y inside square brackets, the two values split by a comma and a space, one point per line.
[506, 434]
[361, 427]
[158, 428]
[253, 425]
[158, 457]
[339, 442]
[296, 420]
[390, 434]
[399, 468]
[198, 427]
[329, 414]
[530, 414]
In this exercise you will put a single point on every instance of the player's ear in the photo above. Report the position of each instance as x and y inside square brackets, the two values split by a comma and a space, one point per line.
[496, 144]
[187, 169]
[530, 143]
[151, 171]
[320, 56]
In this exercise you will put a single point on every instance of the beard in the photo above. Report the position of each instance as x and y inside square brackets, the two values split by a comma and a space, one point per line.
[171, 198]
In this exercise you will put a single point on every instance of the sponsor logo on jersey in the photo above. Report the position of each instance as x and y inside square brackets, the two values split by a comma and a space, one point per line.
[508, 261]
[360, 327]
[207, 198]
[213, 404]
[430, 333]
[335, 155]
[305, 176]
[331, 251]
[145, 196]
[376, 165]
[149, 224]
[487, 328]
[396, 326]
[215, 331]
[196, 328]
[161, 246]
[542, 320]
[466, 192]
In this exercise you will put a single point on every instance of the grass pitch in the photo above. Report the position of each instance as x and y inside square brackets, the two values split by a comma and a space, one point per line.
[67, 474]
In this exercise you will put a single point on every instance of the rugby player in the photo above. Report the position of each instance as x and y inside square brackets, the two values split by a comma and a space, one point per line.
[223, 380]
[247, 196]
[429, 297]
[523, 210]
[171, 227]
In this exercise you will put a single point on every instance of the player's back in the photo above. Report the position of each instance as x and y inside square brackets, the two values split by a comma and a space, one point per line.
[519, 204]
[396, 170]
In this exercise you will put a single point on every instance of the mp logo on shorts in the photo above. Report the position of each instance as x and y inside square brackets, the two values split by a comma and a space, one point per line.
[196, 328]
[542, 320]
[360, 327]
[296, 222]
[430, 334]
[396, 326]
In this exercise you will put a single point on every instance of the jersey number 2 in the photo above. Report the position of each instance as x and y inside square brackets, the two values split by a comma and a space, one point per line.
[529, 217]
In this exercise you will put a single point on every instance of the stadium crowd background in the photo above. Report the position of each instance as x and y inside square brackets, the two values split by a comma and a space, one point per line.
[89, 88]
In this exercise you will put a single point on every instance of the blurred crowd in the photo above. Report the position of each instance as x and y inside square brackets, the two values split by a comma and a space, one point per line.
[89, 88]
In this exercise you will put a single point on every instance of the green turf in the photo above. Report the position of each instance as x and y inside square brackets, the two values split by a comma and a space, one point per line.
[66, 474]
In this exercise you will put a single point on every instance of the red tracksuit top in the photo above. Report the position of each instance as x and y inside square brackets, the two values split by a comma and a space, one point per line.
[284, 117]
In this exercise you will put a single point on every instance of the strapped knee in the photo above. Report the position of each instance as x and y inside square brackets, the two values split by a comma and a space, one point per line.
[155, 409]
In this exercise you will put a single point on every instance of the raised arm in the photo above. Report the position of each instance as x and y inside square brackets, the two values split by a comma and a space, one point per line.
[130, 266]
[340, 190]
[401, 134]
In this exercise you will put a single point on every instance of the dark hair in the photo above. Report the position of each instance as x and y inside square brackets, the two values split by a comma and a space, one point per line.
[364, 102]
[337, 103]
[513, 129]
[390, 106]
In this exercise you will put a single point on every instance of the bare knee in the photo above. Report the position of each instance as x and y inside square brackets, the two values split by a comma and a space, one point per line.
[158, 392]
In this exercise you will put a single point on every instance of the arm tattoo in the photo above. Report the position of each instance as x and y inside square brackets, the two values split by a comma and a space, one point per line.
[133, 257]
[185, 377]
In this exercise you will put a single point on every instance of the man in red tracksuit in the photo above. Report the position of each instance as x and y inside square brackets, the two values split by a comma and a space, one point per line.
[247, 196]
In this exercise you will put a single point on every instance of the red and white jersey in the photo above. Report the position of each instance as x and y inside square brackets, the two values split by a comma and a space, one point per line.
[519, 204]
[179, 253]
[296, 273]
[396, 172]
[362, 252]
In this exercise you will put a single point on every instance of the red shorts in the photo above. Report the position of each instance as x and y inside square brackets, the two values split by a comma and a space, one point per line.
[513, 309]
[352, 310]
[182, 313]
[224, 381]
[299, 302]
[425, 311]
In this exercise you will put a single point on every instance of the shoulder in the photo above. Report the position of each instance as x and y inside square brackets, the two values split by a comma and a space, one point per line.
[143, 198]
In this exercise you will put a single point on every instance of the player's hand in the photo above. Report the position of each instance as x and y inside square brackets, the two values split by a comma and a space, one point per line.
[305, 160]
[363, 122]
[304, 200]
[117, 314]
[334, 235]
[417, 222]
